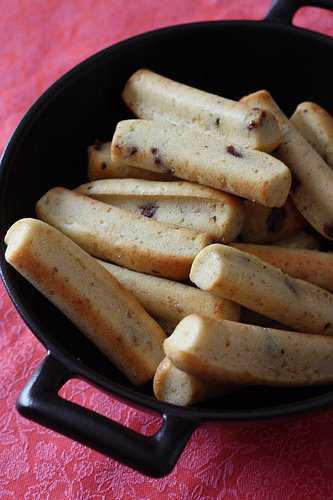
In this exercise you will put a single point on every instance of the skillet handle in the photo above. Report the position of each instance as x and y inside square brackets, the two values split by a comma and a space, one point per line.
[283, 11]
[152, 455]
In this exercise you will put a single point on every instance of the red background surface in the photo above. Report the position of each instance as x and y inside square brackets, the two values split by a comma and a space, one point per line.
[289, 459]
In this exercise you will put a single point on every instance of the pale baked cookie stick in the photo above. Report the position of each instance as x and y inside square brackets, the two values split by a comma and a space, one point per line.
[312, 185]
[183, 204]
[108, 314]
[179, 388]
[257, 285]
[309, 265]
[229, 352]
[201, 158]
[120, 236]
[265, 225]
[154, 97]
[172, 301]
[100, 166]
[316, 126]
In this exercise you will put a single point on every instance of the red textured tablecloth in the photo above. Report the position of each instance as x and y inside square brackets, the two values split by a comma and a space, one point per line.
[289, 459]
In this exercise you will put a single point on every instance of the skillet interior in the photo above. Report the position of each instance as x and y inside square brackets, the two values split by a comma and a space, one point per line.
[49, 149]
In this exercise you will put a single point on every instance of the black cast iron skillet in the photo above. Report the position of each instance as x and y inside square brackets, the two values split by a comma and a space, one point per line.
[49, 148]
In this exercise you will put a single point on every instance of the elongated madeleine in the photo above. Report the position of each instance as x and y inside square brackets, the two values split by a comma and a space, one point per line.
[179, 388]
[312, 185]
[183, 204]
[120, 236]
[266, 225]
[100, 166]
[226, 351]
[201, 158]
[172, 301]
[316, 126]
[257, 285]
[108, 314]
[154, 97]
[309, 265]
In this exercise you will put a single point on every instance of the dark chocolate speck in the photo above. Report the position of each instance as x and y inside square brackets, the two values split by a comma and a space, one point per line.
[233, 151]
[158, 162]
[148, 210]
[327, 326]
[255, 124]
[103, 166]
[217, 122]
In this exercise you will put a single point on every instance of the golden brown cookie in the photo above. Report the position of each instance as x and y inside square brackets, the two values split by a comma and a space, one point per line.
[181, 203]
[312, 185]
[106, 312]
[229, 352]
[179, 388]
[316, 126]
[308, 265]
[154, 97]
[171, 301]
[120, 236]
[201, 158]
[261, 287]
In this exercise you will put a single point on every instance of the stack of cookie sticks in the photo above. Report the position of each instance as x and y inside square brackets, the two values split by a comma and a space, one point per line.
[205, 219]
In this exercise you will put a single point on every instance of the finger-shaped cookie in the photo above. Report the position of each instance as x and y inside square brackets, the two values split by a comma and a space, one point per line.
[170, 300]
[183, 204]
[312, 176]
[100, 166]
[226, 351]
[316, 126]
[202, 158]
[154, 97]
[120, 236]
[265, 225]
[108, 314]
[303, 240]
[309, 265]
[257, 285]
[179, 388]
